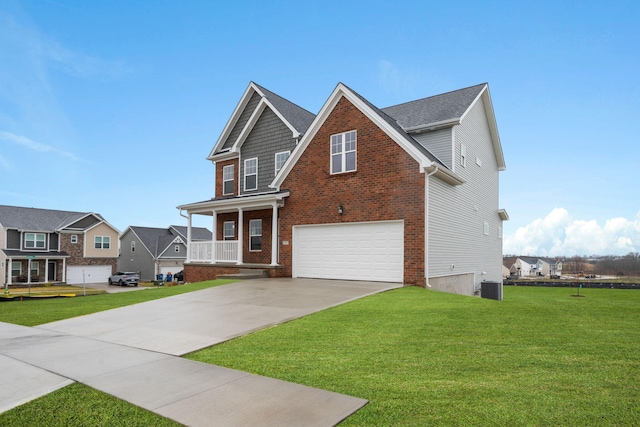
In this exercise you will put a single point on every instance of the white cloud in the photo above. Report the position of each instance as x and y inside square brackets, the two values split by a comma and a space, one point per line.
[560, 234]
[32, 145]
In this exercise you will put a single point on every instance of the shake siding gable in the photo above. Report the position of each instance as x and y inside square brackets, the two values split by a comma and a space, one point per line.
[268, 136]
[387, 185]
[457, 243]
[242, 121]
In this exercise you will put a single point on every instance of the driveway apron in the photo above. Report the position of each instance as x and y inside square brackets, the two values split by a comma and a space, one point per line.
[131, 353]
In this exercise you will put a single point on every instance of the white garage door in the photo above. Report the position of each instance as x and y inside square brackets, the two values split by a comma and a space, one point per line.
[361, 251]
[172, 270]
[92, 274]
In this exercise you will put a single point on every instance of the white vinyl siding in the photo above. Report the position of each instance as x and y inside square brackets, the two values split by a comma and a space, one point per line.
[251, 174]
[343, 152]
[372, 251]
[227, 180]
[438, 142]
[457, 244]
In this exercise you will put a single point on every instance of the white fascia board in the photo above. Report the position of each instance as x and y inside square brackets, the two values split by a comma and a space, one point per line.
[246, 96]
[338, 93]
[173, 242]
[485, 96]
[444, 174]
[227, 155]
[503, 214]
[257, 113]
[433, 126]
[142, 242]
[252, 201]
[67, 224]
[103, 222]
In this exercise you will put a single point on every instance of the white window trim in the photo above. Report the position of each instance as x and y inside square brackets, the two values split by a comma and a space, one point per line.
[255, 235]
[133, 246]
[74, 238]
[463, 155]
[227, 180]
[499, 232]
[224, 230]
[486, 228]
[102, 242]
[35, 264]
[248, 175]
[176, 248]
[19, 268]
[277, 169]
[35, 241]
[343, 153]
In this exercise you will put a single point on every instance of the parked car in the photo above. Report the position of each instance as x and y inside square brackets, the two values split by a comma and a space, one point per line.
[179, 276]
[124, 278]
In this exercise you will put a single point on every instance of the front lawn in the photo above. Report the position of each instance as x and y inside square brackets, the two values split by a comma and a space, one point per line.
[540, 357]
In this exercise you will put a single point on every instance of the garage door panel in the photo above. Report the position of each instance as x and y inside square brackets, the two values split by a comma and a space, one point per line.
[360, 251]
[88, 274]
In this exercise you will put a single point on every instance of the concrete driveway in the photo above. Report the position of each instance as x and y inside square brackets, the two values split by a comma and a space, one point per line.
[131, 352]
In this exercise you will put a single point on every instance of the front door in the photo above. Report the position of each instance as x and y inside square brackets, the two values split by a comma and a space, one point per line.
[51, 276]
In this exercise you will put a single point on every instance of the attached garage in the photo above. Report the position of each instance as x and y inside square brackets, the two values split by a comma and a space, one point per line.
[92, 274]
[372, 251]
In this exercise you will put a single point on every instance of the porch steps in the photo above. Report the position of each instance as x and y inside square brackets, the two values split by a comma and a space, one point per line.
[246, 273]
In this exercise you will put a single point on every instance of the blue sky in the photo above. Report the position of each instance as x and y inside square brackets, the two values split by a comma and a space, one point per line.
[112, 107]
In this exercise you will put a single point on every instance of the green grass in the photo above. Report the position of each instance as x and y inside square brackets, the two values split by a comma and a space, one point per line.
[79, 405]
[539, 358]
[37, 312]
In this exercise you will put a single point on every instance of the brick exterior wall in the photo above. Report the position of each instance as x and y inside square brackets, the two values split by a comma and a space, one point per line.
[219, 168]
[249, 257]
[201, 272]
[387, 185]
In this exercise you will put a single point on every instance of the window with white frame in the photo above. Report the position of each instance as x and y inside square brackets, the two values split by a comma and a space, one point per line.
[463, 155]
[176, 248]
[229, 230]
[35, 268]
[486, 228]
[16, 268]
[251, 174]
[34, 240]
[343, 152]
[102, 242]
[227, 180]
[499, 232]
[74, 238]
[133, 246]
[255, 235]
[280, 159]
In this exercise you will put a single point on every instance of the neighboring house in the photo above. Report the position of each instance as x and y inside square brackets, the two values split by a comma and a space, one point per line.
[405, 194]
[153, 251]
[43, 245]
[534, 267]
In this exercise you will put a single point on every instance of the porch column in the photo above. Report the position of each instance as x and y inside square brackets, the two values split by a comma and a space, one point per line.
[214, 237]
[46, 270]
[29, 271]
[274, 235]
[64, 270]
[189, 237]
[9, 268]
[240, 238]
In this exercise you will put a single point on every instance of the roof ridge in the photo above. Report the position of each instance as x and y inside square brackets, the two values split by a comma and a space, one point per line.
[436, 95]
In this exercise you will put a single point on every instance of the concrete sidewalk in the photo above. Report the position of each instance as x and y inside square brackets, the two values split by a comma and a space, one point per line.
[128, 352]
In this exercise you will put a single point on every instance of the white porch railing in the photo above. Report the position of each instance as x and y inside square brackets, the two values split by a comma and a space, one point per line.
[225, 250]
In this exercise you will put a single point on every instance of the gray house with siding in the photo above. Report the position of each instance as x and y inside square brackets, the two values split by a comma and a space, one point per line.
[152, 251]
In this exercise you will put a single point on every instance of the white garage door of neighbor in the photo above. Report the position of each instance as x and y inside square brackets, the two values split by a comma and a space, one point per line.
[372, 251]
[172, 270]
[92, 274]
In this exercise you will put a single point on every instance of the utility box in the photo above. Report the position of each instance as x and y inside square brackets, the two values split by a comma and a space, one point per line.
[491, 290]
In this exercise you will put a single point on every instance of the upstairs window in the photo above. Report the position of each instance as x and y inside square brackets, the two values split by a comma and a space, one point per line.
[102, 242]
[34, 240]
[343, 152]
[74, 238]
[255, 235]
[229, 232]
[463, 156]
[227, 180]
[280, 159]
[176, 248]
[133, 246]
[251, 174]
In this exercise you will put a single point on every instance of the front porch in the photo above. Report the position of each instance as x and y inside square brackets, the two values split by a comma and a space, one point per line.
[197, 272]
[26, 268]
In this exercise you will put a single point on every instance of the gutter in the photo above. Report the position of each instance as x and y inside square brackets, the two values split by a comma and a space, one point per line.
[426, 223]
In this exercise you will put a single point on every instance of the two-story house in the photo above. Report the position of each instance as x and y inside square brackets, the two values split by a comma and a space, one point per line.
[43, 245]
[152, 251]
[405, 194]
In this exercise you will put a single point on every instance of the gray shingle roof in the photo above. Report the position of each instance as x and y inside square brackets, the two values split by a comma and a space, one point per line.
[434, 109]
[35, 219]
[297, 116]
[197, 233]
[157, 239]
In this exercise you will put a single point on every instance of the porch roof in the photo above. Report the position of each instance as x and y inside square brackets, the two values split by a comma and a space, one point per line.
[231, 204]
[17, 254]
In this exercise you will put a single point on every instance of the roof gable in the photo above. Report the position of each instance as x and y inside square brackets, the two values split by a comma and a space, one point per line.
[294, 117]
[35, 219]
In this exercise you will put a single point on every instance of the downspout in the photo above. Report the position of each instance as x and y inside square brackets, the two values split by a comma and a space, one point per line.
[426, 224]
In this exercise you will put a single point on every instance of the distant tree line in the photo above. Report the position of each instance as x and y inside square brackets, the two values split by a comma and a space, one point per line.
[627, 265]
